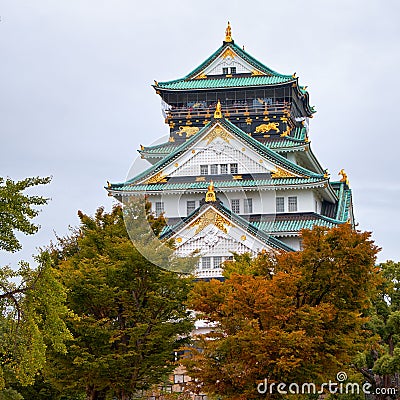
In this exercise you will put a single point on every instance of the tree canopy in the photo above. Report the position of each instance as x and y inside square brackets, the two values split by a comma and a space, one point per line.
[292, 317]
[129, 315]
[31, 300]
[16, 210]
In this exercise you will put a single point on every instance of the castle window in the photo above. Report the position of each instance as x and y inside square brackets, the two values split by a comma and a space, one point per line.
[292, 203]
[203, 169]
[233, 70]
[214, 169]
[234, 168]
[225, 71]
[248, 206]
[217, 262]
[224, 168]
[190, 206]
[280, 204]
[159, 208]
[235, 206]
[206, 263]
[179, 378]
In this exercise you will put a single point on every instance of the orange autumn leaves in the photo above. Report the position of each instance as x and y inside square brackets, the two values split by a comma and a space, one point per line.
[292, 317]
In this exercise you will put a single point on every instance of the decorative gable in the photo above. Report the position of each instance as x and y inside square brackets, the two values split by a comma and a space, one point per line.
[211, 233]
[228, 62]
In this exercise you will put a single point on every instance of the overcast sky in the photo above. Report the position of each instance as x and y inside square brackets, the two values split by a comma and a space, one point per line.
[76, 100]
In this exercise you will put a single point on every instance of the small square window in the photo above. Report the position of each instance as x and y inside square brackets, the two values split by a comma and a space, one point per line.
[280, 204]
[225, 71]
[206, 263]
[233, 70]
[217, 262]
[248, 206]
[190, 206]
[235, 206]
[178, 378]
[224, 168]
[203, 169]
[292, 203]
[214, 169]
[159, 208]
[234, 168]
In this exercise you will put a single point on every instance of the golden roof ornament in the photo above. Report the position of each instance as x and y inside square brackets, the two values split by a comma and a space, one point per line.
[228, 33]
[344, 177]
[218, 112]
[210, 195]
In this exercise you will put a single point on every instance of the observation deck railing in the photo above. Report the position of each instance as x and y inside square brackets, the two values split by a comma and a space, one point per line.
[227, 111]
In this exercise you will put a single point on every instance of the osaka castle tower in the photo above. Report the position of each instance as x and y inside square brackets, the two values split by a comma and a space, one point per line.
[238, 173]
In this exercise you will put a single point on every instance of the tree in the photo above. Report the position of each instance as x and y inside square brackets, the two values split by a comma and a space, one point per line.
[31, 300]
[380, 364]
[291, 317]
[16, 210]
[129, 315]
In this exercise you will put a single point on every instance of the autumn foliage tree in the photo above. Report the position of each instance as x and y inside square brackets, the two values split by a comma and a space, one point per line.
[292, 317]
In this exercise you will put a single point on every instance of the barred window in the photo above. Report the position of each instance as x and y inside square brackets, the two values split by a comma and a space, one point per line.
[224, 168]
[292, 203]
[217, 262]
[248, 206]
[235, 206]
[206, 263]
[234, 168]
[280, 204]
[203, 169]
[190, 206]
[214, 169]
[225, 71]
[159, 208]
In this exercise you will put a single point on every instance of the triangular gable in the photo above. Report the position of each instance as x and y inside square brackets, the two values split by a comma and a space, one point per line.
[211, 231]
[228, 223]
[230, 52]
[225, 61]
[156, 173]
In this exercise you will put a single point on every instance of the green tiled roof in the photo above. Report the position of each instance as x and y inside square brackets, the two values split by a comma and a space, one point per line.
[277, 227]
[211, 83]
[343, 193]
[255, 144]
[218, 185]
[299, 134]
[163, 148]
[188, 82]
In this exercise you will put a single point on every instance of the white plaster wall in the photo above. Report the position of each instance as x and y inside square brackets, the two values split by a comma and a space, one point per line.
[293, 242]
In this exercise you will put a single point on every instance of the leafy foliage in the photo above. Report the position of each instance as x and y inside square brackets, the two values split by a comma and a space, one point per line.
[31, 300]
[129, 314]
[16, 210]
[293, 317]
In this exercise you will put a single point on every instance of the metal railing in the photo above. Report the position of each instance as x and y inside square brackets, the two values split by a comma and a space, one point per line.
[227, 111]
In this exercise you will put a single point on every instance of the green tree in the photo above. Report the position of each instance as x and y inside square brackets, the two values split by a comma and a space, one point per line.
[16, 211]
[129, 315]
[31, 300]
[380, 364]
[292, 317]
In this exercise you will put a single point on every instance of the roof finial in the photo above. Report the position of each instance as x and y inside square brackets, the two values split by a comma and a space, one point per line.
[210, 195]
[218, 112]
[228, 33]
[344, 179]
